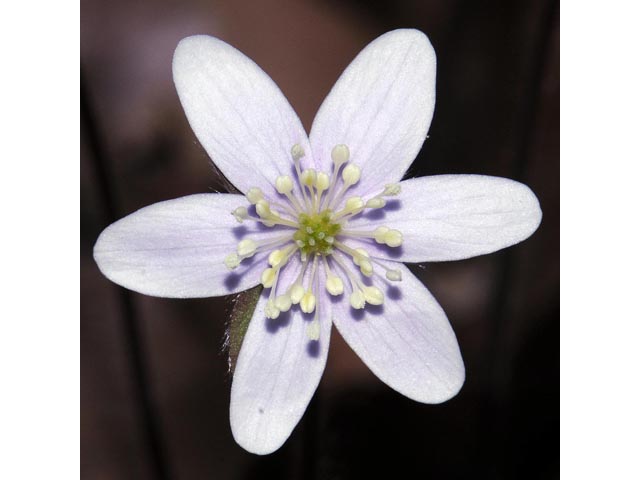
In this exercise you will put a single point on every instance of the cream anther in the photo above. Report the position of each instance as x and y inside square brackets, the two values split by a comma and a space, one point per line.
[313, 330]
[394, 275]
[296, 293]
[247, 247]
[357, 300]
[308, 177]
[232, 261]
[351, 174]
[308, 302]
[376, 202]
[373, 295]
[334, 285]
[393, 238]
[284, 184]
[353, 205]
[254, 195]
[271, 311]
[241, 213]
[283, 302]
[340, 154]
[391, 189]
[268, 277]
[379, 234]
[297, 152]
[263, 209]
[276, 257]
[322, 182]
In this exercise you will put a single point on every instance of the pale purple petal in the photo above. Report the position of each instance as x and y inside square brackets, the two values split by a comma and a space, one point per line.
[381, 108]
[277, 372]
[238, 113]
[177, 248]
[407, 342]
[452, 217]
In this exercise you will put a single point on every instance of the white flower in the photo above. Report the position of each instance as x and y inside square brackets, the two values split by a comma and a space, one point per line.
[324, 224]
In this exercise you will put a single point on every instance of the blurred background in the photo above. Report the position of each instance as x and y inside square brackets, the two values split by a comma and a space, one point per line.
[155, 386]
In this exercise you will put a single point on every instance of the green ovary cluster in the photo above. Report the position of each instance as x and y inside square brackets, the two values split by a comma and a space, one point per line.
[316, 233]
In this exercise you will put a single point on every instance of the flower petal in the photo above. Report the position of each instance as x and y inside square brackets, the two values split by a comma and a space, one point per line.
[452, 217]
[380, 107]
[177, 248]
[277, 372]
[407, 341]
[238, 113]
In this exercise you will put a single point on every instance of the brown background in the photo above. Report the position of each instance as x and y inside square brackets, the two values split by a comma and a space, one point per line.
[155, 389]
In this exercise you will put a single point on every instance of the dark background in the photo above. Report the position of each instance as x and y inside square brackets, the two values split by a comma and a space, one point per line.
[155, 387]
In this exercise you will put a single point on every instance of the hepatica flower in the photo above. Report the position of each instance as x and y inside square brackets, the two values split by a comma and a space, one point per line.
[325, 223]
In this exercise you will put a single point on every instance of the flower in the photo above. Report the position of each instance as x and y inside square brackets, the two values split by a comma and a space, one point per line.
[324, 224]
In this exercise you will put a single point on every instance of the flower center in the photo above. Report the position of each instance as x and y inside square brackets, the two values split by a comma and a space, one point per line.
[316, 234]
[314, 221]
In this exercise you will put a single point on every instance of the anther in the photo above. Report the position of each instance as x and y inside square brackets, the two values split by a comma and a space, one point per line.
[254, 195]
[263, 209]
[313, 330]
[284, 184]
[334, 285]
[351, 174]
[241, 213]
[391, 189]
[296, 293]
[357, 300]
[297, 152]
[283, 302]
[373, 295]
[232, 261]
[268, 277]
[394, 275]
[322, 182]
[271, 311]
[376, 202]
[308, 302]
[247, 248]
[308, 177]
[340, 155]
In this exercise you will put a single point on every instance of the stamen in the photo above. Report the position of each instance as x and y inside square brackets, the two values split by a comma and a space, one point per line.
[247, 248]
[232, 261]
[241, 213]
[254, 195]
[313, 330]
[391, 189]
[333, 283]
[376, 202]
[297, 152]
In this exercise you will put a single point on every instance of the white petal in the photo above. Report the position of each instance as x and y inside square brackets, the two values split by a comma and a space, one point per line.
[277, 372]
[381, 108]
[238, 113]
[177, 248]
[451, 217]
[407, 341]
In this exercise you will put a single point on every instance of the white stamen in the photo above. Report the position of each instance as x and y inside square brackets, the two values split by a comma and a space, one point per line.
[376, 202]
[322, 182]
[357, 300]
[254, 195]
[351, 174]
[241, 213]
[232, 261]
[268, 277]
[283, 302]
[394, 275]
[271, 310]
[340, 155]
[247, 247]
[373, 295]
[308, 177]
[391, 189]
[334, 285]
[284, 184]
[308, 302]
[313, 330]
[297, 152]
[297, 292]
